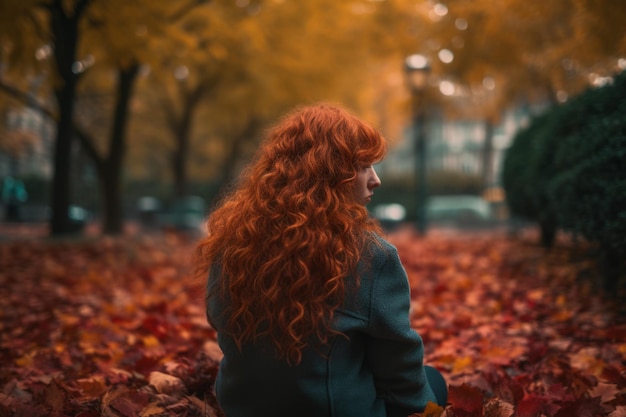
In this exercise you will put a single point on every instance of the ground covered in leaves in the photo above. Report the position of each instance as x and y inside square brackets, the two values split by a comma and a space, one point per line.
[115, 327]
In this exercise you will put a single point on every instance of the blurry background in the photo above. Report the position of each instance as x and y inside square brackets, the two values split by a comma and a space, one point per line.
[114, 111]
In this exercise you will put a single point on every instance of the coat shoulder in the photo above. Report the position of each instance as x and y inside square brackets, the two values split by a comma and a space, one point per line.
[380, 250]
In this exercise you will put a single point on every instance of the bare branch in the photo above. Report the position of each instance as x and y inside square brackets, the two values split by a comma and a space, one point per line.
[28, 99]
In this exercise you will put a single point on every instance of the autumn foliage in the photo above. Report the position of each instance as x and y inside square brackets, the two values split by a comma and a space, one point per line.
[115, 327]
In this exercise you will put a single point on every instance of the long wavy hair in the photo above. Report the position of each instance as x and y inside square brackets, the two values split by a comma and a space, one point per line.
[289, 234]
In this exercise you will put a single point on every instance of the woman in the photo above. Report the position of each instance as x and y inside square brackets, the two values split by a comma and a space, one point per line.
[310, 304]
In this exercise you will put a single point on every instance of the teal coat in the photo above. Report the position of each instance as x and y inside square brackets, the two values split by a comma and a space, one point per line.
[376, 371]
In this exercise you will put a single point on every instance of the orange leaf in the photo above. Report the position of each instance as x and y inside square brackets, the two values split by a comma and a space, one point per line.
[462, 363]
[150, 341]
[92, 387]
[432, 410]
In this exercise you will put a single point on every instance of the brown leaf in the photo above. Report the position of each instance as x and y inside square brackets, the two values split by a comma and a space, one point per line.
[203, 407]
[498, 408]
[126, 402]
[213, 351]
[167, 384]
[54, 397]
[606, 392]
[620, 411]
[92, 387]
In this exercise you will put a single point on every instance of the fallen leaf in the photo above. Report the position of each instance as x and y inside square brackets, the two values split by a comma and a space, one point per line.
[531, 406]
[92, 387]
[166, 384]
[54, 397]
[498, 408]
[213, 351]
[466, 399]
[606, 392]
[432, 410]
[151, 410]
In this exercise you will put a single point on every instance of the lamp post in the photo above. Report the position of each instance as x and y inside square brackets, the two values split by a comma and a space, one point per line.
[417, 70]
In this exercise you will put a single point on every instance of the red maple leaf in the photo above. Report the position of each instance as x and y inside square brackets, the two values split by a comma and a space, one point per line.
[466, 400]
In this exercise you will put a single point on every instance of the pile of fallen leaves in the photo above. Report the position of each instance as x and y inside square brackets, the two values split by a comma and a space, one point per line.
[106, 327]
[116, 327]
[517, 330]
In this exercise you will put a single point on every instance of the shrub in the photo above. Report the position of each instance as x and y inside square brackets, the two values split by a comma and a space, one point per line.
[567, 170]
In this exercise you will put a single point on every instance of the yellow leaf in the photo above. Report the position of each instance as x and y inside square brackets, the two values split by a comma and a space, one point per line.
[461, 364]
[151, 341]
[432, 410]
[151, 410]
[26, 361]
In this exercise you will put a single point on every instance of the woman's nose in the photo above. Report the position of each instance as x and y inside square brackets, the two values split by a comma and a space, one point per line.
[374, 180]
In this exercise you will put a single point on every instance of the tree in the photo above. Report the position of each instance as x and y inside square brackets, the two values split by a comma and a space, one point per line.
[56, 23]
[530, 51]
[243, 67]
[127, 48]
[64, 23]
[108, 37]
[513, 52]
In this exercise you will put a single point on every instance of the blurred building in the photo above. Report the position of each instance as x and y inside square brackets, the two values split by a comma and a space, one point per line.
[27, 144]
[456, 146]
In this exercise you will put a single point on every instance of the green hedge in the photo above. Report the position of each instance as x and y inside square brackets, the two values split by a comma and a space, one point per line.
[526, 164]
[567, 171]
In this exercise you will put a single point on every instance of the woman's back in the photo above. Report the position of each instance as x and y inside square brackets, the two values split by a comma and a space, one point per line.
[373, 369]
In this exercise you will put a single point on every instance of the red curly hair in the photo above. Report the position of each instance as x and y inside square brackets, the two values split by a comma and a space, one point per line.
[289, 234]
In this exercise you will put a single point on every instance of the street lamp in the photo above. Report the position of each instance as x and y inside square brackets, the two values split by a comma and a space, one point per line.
[417, 70]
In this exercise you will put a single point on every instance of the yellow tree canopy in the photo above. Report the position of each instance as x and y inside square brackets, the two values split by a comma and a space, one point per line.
[501, 52]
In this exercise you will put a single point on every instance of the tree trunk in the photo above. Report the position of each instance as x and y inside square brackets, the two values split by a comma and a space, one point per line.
[548, 233]
[61, 184]
[181, 152]
[612, 265]
[64, 28]
[181, 129]
[111, 175]
[230, 163]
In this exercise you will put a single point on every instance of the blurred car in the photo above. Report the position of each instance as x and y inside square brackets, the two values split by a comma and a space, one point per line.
[458, 210]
